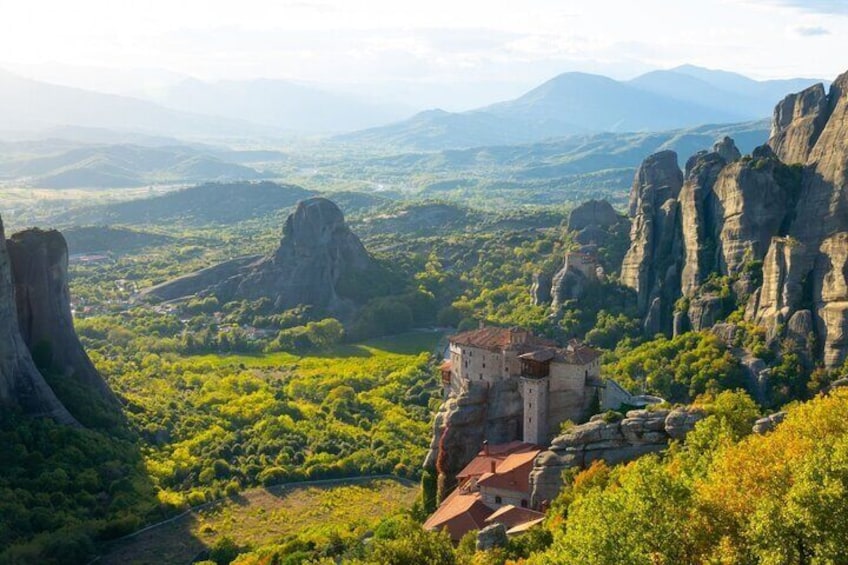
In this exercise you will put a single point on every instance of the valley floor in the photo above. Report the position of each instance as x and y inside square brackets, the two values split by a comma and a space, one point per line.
[262, 516]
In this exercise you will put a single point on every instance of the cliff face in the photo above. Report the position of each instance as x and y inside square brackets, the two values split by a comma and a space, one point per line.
[797, 123]
[21, 384]
[40, 270]
[478, 413]
[785, 206]
[652, 264]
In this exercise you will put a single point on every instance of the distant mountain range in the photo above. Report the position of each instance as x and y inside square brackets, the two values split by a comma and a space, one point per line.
[283, 105]
[571, 103]
[580, 103]
[61, 164]
[32, 105]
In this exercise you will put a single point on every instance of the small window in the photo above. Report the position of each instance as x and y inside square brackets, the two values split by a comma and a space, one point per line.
[498, 500]
[484, 365]
[529, 420]
[523, 503]
[529, 405]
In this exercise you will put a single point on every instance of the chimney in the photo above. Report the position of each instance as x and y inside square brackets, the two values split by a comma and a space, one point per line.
[544, 506]
[494, 466]
[485, 447]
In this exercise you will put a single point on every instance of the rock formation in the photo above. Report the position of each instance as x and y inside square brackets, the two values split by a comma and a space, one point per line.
[592, 221]
[317, 255]
[540, 290]
[40, 270]
[798, 122]
[652, 265]
[639, 433]
[578, 271]
[21, 384]
[774, 223]
[479, 413]
[316, 251]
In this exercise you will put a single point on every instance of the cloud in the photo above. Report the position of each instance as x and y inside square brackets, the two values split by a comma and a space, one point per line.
[814, 6]
[811, 31]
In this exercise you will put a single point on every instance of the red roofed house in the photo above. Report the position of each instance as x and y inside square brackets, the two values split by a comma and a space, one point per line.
[499, 477]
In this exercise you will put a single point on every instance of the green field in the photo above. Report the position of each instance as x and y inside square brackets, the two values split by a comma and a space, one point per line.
[260, 517]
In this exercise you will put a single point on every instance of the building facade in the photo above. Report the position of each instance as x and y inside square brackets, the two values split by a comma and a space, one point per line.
[557, 384]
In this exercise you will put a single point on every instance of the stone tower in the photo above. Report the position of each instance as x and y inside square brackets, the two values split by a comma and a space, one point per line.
[535, 388]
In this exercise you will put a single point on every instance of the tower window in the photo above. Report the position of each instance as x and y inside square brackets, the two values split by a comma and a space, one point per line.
[498, 500]
[523, 503]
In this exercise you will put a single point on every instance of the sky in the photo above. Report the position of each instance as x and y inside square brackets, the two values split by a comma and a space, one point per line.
[502, 47]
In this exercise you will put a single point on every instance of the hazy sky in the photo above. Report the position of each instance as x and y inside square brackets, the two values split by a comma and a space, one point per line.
[430, 41]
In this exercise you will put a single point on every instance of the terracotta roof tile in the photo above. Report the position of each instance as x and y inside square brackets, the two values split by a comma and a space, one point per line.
[511, 516]
[497, 453]
[459, 514]
[497, 339]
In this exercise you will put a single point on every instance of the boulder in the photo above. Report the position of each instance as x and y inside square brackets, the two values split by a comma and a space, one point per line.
[491, 537]
[769, 423]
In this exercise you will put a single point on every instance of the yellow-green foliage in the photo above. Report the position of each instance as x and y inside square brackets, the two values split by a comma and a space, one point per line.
[211, 420]
[260, 523]
[773, 499]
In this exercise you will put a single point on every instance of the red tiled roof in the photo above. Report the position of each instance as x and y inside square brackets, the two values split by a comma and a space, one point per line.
[446, 365]
[498, 339]
[459, 514]
[513, 474]
[516, 460]
[511, 516]
[497, 453]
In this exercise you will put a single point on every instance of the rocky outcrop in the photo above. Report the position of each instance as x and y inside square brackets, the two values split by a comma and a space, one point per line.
[769, 423]
[705, 310]
[40, 270]
[652, 264]
[798, 122]
[478, 413]
[202, 281]
[593, 221]
[318, 259]
[784, 268]
[21, 384]
[754, 199]
[831, 293]
[698, 214]
[639, 433]
[316, 252]
[540, 290]
[579, 270]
